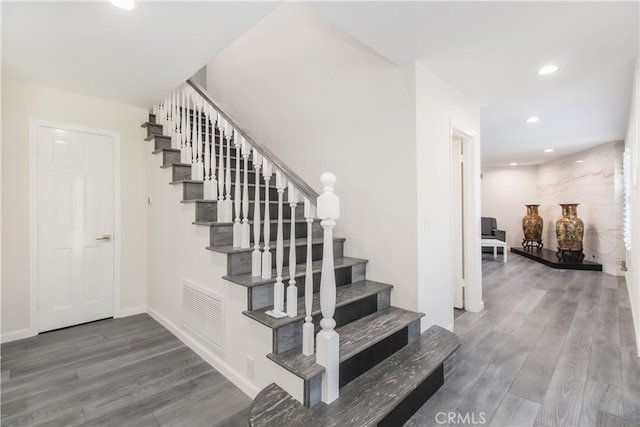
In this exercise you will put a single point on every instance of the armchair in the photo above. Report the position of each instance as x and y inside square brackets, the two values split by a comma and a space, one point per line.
[490, 230]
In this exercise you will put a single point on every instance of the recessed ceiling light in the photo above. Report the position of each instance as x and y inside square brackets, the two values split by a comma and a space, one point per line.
[549, 150]
[123, 4]
[579, 161]
[547, 69]
[513, 164]
[533, 119]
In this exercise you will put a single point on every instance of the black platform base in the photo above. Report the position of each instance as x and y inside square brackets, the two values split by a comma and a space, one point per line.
[549, 258]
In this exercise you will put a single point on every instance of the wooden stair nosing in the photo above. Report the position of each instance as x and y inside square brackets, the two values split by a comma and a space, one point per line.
[345, 294]
[360, 403]
[250, 281]
[155, 135]
[354, 338]
[249, 185]
[160, 150]
[285, 244]
[168, 165]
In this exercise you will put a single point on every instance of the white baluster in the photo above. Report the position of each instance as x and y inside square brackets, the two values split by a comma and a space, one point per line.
[292, 290]
[199, 162]
[170, 125]
[328, 340]
[228, 204]
[220, 204]
[236, 197]
[195, 138]
[184, 130]
[256, 258]
[208, 169]
[266, 229]
[278, 287]
[308, 328]
[244, 228]
[214, 181]
[175, 138]
[189, 136]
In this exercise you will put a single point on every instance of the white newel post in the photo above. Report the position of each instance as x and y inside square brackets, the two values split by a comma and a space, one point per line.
[256, 258]
[292, 290]
[278, 287]
[236, 194]
[308, 328]
[266, 229]
[245, 230]
[328, 341]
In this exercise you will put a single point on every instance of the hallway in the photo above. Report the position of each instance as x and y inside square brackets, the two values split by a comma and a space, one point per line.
[551, 348]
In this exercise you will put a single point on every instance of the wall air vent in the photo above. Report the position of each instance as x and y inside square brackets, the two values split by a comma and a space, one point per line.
[203, 313]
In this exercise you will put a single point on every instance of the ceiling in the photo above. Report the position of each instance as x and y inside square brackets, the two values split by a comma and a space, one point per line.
[489, 51]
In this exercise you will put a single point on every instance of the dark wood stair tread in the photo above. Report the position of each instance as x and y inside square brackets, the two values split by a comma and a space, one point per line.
[286, 243]
[354, 338]
[249, 184]
[250, 281]
[345, 294]
[271, 202]
[271, 221]
[366, 400]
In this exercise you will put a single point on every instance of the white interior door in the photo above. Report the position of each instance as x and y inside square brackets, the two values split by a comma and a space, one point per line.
[75, 224]
[458, 221]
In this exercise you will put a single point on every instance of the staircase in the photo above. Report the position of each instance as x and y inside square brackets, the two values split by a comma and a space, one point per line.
[386, 368]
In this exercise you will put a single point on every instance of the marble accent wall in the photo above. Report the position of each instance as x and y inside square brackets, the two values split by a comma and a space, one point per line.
[592, 178]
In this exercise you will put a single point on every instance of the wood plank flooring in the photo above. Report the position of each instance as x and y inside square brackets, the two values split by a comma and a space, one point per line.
[551, 348]
[120, 372]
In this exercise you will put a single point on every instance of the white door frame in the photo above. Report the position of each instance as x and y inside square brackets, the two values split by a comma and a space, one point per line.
[34, 124]
[472, 250]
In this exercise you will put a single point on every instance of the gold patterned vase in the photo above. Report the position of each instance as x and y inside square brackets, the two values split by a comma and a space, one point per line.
[532, 224]
[569, 228]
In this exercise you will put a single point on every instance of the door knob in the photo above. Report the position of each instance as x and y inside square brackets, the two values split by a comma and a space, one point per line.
[106, 237]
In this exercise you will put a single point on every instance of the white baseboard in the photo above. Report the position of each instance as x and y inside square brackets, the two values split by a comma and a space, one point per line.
[132, 311]
[476, 309]
[634, 314]
[231, 374]
[17, 335]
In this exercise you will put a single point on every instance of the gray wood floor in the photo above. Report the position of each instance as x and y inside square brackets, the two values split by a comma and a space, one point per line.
[121, 372]
[552, 347]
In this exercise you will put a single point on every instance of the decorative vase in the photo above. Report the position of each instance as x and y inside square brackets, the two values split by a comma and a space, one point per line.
[532, 224]
[569, 229]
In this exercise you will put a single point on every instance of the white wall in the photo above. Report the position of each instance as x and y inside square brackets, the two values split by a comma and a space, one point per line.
[439, 107]
[592, 183]
[505, 191]
[177, 252]
[632, 142]
[22, 101]
[324, 102]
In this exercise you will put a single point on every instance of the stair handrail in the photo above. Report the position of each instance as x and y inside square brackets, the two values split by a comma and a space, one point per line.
[274, 160]
[184, 135]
